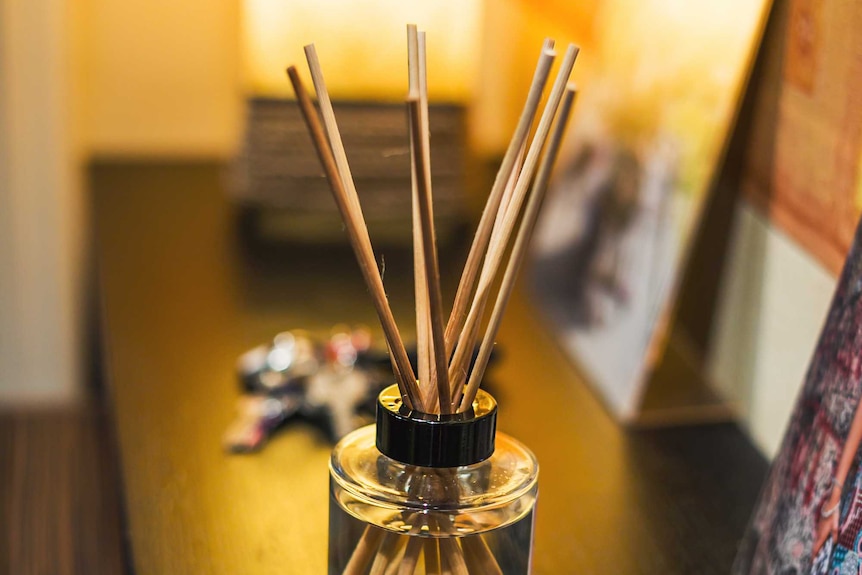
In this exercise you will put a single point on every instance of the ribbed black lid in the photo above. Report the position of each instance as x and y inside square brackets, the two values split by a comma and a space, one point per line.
[433, 440]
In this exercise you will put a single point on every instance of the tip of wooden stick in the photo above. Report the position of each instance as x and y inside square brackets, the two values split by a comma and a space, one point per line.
[571, 87]
[293, 74]
[549, 52]
[549, 44]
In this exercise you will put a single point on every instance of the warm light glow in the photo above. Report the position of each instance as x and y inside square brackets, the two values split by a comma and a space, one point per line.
[362, 45]
[512, 35]
[670, 67]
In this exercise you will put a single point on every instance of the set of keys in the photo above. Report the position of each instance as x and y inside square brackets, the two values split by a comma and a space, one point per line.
[331, 384]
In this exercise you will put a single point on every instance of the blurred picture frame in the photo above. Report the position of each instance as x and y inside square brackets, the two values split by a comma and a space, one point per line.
[663, 87]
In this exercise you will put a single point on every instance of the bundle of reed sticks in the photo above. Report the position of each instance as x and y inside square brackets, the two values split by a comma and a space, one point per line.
[444, 383]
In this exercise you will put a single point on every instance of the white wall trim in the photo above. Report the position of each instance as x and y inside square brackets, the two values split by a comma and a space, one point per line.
[772, 304]
[40, 208]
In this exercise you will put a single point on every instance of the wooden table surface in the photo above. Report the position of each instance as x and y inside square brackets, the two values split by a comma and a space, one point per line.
[183, 296]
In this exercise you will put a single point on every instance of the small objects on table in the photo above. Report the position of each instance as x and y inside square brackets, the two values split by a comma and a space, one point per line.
[332, 384]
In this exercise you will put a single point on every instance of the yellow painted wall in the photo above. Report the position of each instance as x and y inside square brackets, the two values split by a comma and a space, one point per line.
[480, 53]
[161, 77]
[512, 34]
[167, 78]
[362, 45]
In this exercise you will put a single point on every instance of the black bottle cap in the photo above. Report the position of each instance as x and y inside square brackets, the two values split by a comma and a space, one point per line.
[434, 440]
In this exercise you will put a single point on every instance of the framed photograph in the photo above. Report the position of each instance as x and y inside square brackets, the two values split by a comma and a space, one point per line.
[663, 87]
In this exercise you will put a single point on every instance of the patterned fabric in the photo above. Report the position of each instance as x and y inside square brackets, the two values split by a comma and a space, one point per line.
[822, 559]
[782, 533]
[845, 556]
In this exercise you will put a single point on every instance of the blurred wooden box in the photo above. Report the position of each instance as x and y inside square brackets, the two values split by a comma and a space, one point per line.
[279, 182]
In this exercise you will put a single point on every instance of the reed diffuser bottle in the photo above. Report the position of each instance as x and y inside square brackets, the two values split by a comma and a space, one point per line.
[433, 488]
[429, 494]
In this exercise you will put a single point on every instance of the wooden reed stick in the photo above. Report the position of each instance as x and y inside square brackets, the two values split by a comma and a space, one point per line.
[413, 58]
[496, 252]
[507, 195]
[427, 387]
[331, 126]
[431, 555]
[358, 236]
[478, 556]
[432, 268]
[466, 285]
[426, 134]
[519, 251]
[364, 552]
[423, 95]
[386, 554]
[411, 556]
[452, 557]
[398, 554]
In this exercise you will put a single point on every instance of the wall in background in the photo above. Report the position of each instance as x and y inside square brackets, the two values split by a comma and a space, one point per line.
[81, 78]
[771, 308]
[362, 45]
[479, 52]
[41, 215]
[160, 77]
[512, 33]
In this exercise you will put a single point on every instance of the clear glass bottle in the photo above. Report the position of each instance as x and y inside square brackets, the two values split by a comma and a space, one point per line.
[428, 494]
